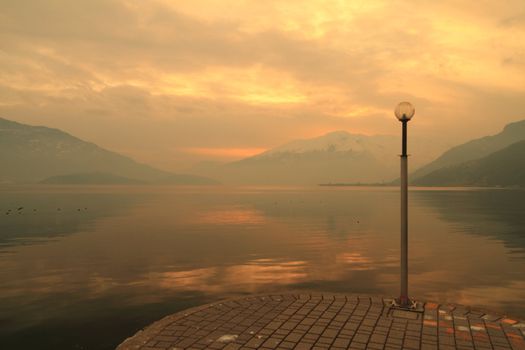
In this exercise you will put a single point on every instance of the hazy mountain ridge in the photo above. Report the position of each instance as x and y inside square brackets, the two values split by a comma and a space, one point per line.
[31, 154]
[336, 141]
[40, 154]
[505, 168]
[343, 157]
[333, 157]
[338, 156]
[474, 149]
[96, 178]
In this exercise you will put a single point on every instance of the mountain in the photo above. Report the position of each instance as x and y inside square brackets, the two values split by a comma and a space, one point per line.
[474, 149]
[335, 157]
[30, 154]
[504, 168]
[90, 179]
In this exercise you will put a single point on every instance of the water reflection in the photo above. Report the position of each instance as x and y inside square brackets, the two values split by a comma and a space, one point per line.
[231, 216]
[149, 252]
[32, 216]
[484, 239]
[247, 277]
[491, 213]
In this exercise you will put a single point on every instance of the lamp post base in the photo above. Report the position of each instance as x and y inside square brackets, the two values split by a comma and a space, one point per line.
[405, 303]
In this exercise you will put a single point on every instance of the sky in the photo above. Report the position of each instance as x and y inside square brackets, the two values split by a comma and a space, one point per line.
[176, 82]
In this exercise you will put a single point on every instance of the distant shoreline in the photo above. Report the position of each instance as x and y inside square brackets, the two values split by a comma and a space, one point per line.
[419, 186]
[342, 184]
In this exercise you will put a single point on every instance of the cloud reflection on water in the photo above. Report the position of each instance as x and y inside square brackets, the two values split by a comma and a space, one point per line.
[232, 216]
[211, 244]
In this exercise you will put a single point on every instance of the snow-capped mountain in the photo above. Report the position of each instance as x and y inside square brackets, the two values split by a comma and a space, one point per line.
[335, 157]
[376, 146]
[333, 141]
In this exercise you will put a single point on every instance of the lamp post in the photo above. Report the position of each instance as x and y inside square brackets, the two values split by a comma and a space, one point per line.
[404, 112]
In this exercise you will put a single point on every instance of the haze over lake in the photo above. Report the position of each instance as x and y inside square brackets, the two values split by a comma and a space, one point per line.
[80, 261]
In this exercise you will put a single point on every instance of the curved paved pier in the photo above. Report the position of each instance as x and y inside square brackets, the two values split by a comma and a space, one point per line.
[328, 321]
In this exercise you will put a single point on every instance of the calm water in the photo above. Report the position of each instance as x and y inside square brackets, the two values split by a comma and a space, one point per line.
[112, 260]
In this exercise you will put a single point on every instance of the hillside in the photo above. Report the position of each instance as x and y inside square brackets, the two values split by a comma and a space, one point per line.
[30, 154]
[505, 168]
[474, 149]
[90, 179]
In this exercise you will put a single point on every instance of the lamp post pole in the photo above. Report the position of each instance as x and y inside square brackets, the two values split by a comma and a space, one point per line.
[404, 112]
[403, 298]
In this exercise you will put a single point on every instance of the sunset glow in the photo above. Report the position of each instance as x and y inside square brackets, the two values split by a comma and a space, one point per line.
[185, 75]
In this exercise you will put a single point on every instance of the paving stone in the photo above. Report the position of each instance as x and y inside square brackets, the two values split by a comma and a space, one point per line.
[411, 344]
[341, 342]
[321, 321]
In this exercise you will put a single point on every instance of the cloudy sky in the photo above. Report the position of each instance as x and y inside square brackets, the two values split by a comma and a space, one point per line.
[174, 82]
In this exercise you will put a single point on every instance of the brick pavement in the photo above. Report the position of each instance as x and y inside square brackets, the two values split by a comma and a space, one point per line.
[328, 321]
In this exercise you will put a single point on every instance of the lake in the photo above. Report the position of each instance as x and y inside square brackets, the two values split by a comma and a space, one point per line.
[86, 267]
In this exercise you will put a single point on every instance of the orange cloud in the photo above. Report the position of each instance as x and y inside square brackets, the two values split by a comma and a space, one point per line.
[277, 69]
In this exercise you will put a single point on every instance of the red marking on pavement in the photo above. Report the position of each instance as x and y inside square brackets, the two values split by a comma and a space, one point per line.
[431, 306]
[509, 321]
[480, 335]
[463, 335]
[493, 326]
